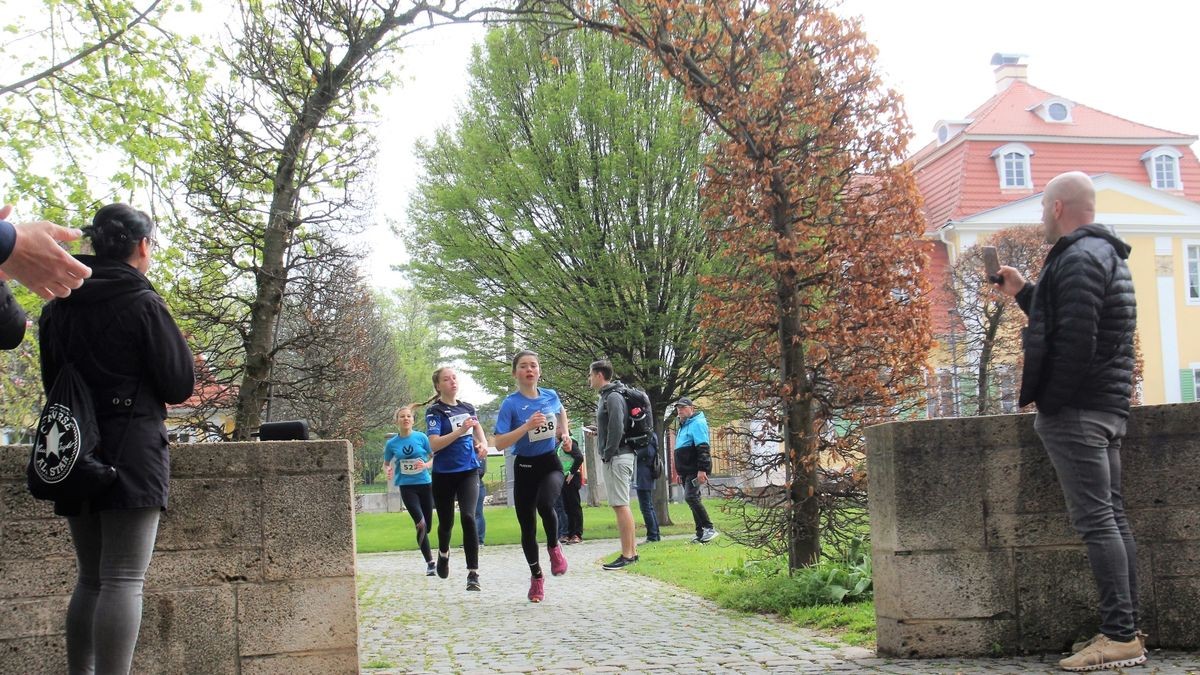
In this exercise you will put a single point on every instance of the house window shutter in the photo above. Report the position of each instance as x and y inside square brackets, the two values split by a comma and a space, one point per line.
[1187, 382]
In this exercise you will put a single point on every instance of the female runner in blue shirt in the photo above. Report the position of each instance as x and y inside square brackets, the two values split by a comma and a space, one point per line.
[411, 457]
[532, 422]
[458, 443]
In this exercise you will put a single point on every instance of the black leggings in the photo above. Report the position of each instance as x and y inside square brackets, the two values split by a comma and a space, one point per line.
[418, 501]
[537, 482]
[464, 487]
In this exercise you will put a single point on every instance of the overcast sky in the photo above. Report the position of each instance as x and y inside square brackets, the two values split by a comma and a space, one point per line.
[1136, 60]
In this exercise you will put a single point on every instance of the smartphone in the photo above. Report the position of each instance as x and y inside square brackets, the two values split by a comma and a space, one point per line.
[991, 265]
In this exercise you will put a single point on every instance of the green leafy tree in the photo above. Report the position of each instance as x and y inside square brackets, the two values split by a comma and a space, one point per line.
[563, 215]
[94, 102]
[274, 177]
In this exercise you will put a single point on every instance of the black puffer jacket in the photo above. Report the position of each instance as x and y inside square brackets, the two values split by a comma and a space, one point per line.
[127, 348]
[12, 319]
[1082, 316]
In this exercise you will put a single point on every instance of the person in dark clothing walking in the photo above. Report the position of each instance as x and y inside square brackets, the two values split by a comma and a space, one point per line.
[692, 463]
[1079, 371]
[117, 332]
[643, 482]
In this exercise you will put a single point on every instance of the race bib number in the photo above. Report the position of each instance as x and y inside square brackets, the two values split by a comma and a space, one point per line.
[546, 430]
[411, 467]
[457, 420]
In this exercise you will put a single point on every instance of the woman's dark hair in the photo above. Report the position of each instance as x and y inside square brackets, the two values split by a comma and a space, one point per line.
[521, 354]
[116, 230]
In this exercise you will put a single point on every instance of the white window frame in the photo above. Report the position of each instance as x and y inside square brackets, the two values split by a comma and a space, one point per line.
[1191, 247]
[1151, 158]
[1042, 110]
[1002, 155]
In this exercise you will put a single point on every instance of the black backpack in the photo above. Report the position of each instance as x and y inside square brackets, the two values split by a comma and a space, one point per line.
[64, 464]
[639, 421]
[655, 465]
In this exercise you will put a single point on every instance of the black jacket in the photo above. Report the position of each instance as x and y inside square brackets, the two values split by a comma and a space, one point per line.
[1082, 316]
[12, 319]
[127, 348]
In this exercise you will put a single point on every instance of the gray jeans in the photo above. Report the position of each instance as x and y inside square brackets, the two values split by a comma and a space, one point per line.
[113, 550]
[1085, 448]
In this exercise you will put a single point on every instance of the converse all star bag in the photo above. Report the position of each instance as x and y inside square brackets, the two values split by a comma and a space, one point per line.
[64, 464]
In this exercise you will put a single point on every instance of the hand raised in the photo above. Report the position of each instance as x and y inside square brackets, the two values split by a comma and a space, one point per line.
[40, 264]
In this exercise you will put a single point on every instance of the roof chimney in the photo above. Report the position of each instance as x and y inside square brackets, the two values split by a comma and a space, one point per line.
[1009, 69]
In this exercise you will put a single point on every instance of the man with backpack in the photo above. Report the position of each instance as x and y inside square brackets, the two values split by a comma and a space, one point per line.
[692, 462]
[617, 454]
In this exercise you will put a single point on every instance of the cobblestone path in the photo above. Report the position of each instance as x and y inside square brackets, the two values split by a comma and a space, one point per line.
[593, 621]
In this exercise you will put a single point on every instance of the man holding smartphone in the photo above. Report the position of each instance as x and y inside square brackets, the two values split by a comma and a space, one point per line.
[693, 462]
[1079, 370]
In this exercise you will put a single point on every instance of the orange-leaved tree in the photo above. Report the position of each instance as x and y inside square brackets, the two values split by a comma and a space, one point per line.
[822, 324]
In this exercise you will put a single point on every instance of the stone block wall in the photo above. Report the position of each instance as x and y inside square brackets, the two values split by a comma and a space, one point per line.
[253, 569]
[974, 553]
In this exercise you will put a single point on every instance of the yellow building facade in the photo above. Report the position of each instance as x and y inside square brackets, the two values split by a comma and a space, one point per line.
[1164, 231]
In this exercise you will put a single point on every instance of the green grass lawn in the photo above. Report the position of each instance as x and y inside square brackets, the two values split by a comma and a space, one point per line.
[379, 532]
[700, 569]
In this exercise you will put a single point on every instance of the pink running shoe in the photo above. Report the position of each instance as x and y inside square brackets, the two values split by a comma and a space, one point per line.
[558, 561]
[537, 589]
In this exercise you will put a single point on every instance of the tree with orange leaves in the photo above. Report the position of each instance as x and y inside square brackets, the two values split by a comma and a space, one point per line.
[823, 325]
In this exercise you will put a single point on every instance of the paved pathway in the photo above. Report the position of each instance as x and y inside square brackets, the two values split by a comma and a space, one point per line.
[593, 621]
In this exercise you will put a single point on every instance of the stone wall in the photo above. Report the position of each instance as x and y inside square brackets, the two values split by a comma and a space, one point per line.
[974, 553]
[253, 571]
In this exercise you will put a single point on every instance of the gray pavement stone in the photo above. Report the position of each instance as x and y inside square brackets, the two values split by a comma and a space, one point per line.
[595, 621]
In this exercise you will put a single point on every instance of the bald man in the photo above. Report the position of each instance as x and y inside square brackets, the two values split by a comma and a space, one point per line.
[1079, 370]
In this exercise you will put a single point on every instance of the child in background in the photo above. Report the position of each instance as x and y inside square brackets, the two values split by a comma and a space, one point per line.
[410, 458]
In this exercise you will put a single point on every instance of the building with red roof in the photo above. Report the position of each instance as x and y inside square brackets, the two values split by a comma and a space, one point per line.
[986, 171]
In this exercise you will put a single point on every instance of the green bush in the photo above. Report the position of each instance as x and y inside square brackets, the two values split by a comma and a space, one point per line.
[765, 586]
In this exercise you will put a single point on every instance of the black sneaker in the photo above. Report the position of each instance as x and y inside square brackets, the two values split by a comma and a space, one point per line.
[431, 569]
[443, 566]
[473, 582]
[620, 562]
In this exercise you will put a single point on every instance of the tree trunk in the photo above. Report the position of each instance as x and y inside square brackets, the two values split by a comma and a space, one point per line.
[985, 360]
[271, 278]
[662, 485]
[804, 538]
[591, 459]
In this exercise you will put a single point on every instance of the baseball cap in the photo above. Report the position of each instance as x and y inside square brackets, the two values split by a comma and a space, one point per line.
[684, 401]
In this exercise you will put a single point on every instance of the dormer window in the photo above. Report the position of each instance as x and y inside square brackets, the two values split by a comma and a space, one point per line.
[1162, 164]
[947, 129]
[1012, 163]
[1053, 110]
